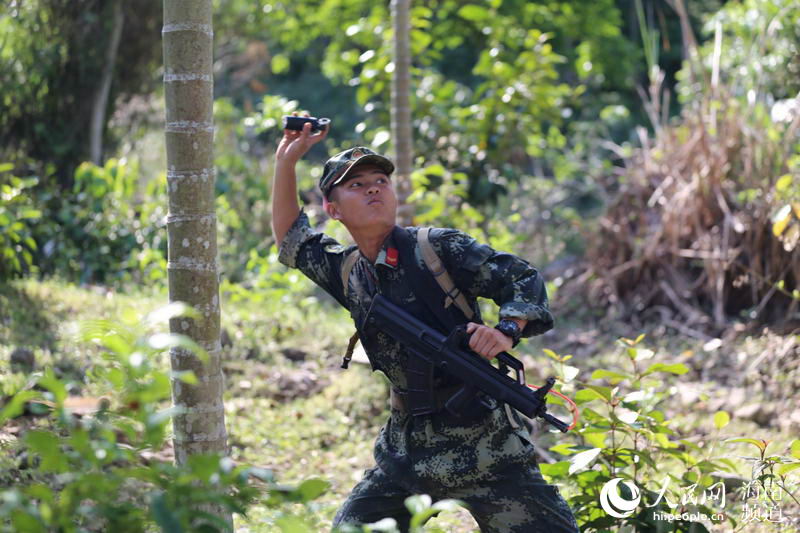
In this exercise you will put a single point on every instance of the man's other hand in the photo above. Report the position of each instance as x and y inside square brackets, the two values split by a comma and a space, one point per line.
[487, 342]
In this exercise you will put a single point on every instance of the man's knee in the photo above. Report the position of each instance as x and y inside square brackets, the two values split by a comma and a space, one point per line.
[374, 498]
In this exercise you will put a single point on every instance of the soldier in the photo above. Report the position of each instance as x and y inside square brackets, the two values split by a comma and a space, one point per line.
[485, 459]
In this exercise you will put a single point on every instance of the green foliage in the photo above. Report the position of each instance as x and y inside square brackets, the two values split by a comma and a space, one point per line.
[625, 433]
[109, 227]
[758, 53]
[101, 469]
[17, 214]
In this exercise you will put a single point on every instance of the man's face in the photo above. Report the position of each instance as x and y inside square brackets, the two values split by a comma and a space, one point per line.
[365, 199]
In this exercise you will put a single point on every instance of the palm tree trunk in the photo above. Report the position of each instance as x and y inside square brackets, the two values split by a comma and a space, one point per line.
[191, 223]
[401, 109]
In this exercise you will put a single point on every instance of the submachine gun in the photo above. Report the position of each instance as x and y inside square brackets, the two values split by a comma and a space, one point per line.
[450, 353]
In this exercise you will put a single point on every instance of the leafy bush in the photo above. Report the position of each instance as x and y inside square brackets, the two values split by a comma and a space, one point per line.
[17, 214]
[98, 464]
[109, 227]
[626, 433]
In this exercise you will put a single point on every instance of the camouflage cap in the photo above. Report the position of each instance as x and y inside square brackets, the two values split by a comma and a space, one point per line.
[339, 166]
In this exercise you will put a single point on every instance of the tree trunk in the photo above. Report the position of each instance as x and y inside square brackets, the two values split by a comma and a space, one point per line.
[401, 109]
[191, 223]
[100, 104]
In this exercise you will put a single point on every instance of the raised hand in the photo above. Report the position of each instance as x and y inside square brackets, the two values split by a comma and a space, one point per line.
[295, 144]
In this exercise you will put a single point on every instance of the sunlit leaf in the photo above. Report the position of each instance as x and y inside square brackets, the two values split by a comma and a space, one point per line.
[564, 448]
[312, 489]
[583, 459]
[570, 372]
[721, 419]
[795, 449]
[172, 310]
[675, 368]
[16, 405]
[50, 382]
[613, 377]
[474, 13]
[760, 443]
[626, 415]
[784, 469]
[783, 183]
[781, 220]
[279, 64]
[163, 341]
[551, 354]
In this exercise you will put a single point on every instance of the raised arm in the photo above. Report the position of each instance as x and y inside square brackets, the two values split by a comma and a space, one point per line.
[293, 146]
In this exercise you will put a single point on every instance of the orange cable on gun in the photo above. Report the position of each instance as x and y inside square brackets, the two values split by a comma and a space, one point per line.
[571, 404]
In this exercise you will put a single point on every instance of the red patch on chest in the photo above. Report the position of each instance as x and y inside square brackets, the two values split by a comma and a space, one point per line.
[391, 256]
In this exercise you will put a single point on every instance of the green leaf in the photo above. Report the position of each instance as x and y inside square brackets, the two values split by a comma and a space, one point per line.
[5, 167]
[783, 183]
[760, 444]
[16, 406]
[46, 445]
[279, 64]
[163, 515]
[551, 354]
[583, 459]
[603, 392]
[474, 13]
[675, 368]
[163, 341]
[31, 214]
[172, 310]
[292, 524]
[557, 470]
[613, 377]
[795, 449]
[721, 419]
[50, 382]
[784, 469]
[595, 439]
[781, 219]
[565, 448]
[41, 492]
[311, 489]
[587, 395]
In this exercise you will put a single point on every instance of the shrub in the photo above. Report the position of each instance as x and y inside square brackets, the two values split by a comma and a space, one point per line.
[100, 464]
[17, 214]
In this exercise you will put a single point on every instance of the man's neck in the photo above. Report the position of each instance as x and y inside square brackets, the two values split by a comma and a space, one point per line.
[370, 243]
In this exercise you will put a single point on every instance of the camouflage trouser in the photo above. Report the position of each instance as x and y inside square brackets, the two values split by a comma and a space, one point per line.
[517, 500]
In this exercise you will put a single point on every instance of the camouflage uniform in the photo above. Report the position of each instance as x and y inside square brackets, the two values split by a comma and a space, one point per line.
[483, 461]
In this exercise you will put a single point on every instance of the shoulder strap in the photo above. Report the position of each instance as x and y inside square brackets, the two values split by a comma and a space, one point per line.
[441, 275]
[347, 267]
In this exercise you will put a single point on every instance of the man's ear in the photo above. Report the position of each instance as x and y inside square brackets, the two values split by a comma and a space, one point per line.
[332, 209]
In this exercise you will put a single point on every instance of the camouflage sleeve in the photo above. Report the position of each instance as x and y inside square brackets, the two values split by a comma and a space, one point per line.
[316, 255]
[511, 282]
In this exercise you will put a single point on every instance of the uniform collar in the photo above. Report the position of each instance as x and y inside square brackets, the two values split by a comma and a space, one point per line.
[389, 255]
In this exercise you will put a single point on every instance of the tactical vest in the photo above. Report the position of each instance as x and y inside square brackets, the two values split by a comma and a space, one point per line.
[435, 268]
